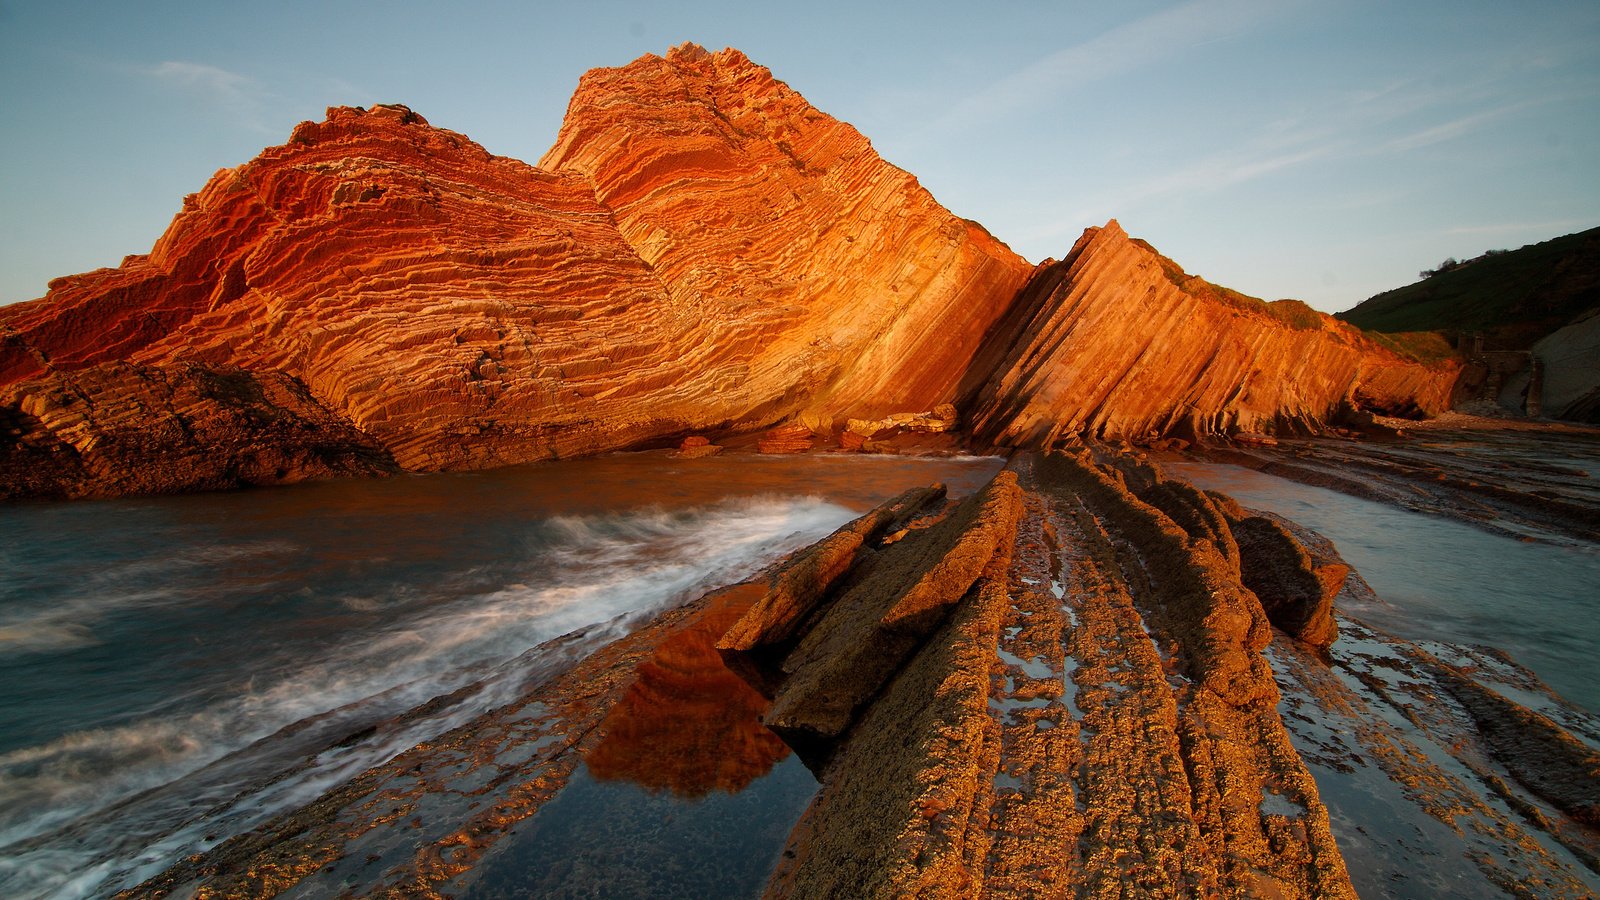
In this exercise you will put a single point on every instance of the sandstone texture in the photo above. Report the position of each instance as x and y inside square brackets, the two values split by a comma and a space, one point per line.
[702, 252]
[1116, 341]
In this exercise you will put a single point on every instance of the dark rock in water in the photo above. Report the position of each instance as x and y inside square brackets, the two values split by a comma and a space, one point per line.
[696, 447]
[1296, 594]
[1538, 752]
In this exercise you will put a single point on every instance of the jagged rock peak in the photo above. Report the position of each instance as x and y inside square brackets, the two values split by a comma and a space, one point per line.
[1176, 355]
[689, 50]
[702, 251]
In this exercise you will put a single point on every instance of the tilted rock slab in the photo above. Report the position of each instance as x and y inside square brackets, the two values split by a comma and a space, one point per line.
[1085, 712]
[1116, 341]
[701, 252]
[817, 267]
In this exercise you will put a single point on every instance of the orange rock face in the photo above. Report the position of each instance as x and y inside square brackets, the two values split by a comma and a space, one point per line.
[1115, 341]
[825, 275]
[438, 299]
[702, 251]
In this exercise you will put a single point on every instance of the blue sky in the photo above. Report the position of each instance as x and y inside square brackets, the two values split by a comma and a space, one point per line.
[1321, 150]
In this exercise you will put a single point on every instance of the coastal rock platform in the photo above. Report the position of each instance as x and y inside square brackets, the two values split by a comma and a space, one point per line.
[1062, 684]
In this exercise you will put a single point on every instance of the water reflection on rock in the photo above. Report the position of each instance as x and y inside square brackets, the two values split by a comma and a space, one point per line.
[688, 725]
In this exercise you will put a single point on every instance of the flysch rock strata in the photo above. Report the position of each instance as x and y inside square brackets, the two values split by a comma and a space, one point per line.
[1115, 341]
[702, 252]
[1082, 718]
[1066, 715]
[832, 273]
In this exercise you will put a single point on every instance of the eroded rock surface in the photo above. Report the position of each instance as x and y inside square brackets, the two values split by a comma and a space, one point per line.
[1092, 716]
[702, 252]
[1172, 354]
[1055, 687]
[1480, 476]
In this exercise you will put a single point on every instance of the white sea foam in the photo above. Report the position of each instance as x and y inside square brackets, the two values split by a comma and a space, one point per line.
[52, 622]
[100, 809]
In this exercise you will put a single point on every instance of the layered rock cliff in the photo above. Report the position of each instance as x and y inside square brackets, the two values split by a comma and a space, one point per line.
[826, 268]
[1117, 341]
[437, 299]
[701, 251]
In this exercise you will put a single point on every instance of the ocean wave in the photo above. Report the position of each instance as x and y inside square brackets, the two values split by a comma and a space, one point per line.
[36, 621]
[123, 801]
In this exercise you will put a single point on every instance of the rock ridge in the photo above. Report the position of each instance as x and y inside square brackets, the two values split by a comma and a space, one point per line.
[1115, 341]
[701, 253]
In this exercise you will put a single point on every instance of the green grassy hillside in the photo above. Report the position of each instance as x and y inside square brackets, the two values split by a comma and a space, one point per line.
[1513, 297]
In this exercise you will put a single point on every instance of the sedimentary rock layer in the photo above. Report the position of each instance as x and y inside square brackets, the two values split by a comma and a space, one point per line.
[1085, 719]
[441, 301]
[702, 251]
[1116, 341]
[1076, 709]
[819, 265]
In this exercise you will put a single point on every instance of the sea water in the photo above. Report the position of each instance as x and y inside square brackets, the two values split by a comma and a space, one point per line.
[1444, 580]
[174, 667]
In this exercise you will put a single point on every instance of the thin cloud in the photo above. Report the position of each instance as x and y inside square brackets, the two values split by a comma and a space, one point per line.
[1213, 173]
[237, 95]
[1143, 42]
[1356, 124]
[1451, 130]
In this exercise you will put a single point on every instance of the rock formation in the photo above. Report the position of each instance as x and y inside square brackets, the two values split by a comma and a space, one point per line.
[1116, 341]
[1062, 716]
[795, 248]
[437, 300]
[1058, 686]
[701, 252]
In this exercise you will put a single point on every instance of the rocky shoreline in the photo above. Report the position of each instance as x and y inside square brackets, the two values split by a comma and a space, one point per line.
[1472, 470]
[1068, 683]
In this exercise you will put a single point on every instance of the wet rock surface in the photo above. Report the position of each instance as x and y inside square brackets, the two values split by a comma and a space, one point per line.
[1063, 685]
[1420, 797]
[1490, 478]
